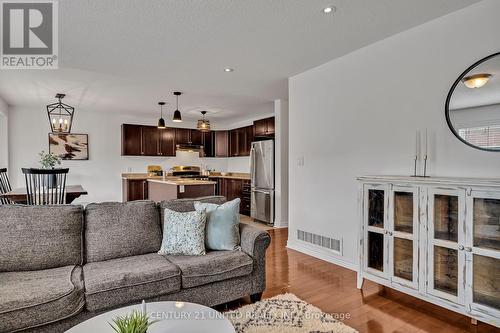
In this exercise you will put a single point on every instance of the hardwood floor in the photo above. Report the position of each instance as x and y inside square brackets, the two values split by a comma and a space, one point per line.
[333, 289]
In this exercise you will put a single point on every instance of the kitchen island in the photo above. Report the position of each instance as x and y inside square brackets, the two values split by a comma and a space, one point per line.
[168, 189]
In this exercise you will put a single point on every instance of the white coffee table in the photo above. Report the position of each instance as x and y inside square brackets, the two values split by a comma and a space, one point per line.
[176, 317]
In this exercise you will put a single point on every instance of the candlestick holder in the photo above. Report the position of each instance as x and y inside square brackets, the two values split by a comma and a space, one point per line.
[425, 166]
[415, 161]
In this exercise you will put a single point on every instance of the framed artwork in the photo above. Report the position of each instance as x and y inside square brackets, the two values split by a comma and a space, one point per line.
[69, 146]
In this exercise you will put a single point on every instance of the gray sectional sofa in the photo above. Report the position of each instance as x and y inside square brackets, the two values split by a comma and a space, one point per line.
[61, 265]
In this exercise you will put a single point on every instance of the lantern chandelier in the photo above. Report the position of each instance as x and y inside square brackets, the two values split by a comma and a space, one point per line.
[203, 124]
[60, 116]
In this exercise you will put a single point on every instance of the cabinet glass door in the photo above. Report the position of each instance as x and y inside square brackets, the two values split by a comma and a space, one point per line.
[403, 235]
[446, 230]
[483, 252]
[375, 220]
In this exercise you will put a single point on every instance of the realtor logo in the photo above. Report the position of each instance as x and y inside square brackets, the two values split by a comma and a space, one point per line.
[29, 35]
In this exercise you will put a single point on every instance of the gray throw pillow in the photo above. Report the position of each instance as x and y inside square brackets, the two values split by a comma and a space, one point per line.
[223, 224]
[183, 233]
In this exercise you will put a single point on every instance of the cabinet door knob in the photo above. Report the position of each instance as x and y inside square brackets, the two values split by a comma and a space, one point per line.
[468, 249]
[461, 247]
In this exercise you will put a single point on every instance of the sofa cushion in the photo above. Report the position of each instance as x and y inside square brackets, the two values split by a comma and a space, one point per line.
[116, 230]
[212, 267]
[40, 237]
[36, 298]
[223, 224]
[184, 233]
[130, 279]
[187, 205]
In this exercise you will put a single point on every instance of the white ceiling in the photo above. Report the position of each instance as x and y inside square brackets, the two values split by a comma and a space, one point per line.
[126, 55]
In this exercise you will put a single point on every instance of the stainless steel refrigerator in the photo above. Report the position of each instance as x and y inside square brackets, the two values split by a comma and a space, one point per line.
[262, 176]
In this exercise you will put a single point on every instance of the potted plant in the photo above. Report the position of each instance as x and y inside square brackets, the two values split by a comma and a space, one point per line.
[49, 161]
[135, 322]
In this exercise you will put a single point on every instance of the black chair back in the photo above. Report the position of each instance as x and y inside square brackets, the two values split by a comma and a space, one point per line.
[4, 186]
[45, 186]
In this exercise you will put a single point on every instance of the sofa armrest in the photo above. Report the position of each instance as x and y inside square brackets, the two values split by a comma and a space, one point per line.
[255, 242]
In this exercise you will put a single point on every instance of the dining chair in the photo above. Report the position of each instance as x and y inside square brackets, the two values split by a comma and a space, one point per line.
[4, 186]
[45, 186]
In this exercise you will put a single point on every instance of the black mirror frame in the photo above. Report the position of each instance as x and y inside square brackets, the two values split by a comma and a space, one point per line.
[448, 99]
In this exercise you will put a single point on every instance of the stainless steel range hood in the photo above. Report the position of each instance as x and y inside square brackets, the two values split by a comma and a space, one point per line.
[190, 148]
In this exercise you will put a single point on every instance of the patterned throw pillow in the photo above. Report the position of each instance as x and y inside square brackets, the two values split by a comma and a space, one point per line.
[223, 224]
[183, 233]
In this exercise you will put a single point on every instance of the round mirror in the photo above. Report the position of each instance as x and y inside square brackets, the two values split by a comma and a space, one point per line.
[473, 105]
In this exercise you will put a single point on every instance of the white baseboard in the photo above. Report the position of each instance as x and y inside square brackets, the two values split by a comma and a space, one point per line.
[280, 225]
[319, 253]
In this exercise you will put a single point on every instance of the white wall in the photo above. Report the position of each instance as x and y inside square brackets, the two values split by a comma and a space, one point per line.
[357, 115]
[4, 134]
[100, 175]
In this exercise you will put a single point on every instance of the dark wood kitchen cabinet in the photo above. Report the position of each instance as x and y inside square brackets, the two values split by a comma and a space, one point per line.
[221, 141]
[167, 141]
[245, 143]
[182, 136]
[235, 188]
[131, 139]
[240, 141]
[196, 137]
[134, 189]
[264, 127]
[233, 143]
[208, 144]
[140, 140]
[150, 141]
[188, 136]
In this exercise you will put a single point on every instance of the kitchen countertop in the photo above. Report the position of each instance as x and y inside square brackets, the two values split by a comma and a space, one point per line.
[182, 182]
[144, 176]
[243, 176]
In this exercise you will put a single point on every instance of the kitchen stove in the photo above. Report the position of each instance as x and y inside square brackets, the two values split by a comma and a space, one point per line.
[189, 172]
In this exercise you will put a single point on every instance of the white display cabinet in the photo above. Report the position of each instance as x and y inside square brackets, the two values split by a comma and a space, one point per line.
[437, 239]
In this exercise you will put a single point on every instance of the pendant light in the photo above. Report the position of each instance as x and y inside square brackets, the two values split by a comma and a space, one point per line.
[60, 116]
[177, 113]
[203, 124]
[161, 121]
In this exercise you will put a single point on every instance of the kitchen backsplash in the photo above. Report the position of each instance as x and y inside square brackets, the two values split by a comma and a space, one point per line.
[232, 164]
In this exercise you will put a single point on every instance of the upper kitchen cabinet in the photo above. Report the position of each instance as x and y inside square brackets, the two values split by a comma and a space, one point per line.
[240, 141]
[221, 143]
[208, 143]
[167, 141]
[188, 136]
[233, 143]
[196, 137]
[182, 136]
[264, 127]
[131, 140]
[150, 141]
[139, 140]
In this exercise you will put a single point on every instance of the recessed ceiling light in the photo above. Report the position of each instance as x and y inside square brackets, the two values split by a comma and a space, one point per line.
[329, 10]
[228, 70]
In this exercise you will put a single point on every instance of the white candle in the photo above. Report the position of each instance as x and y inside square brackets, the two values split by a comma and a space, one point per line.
[426, 143]
[417, 143]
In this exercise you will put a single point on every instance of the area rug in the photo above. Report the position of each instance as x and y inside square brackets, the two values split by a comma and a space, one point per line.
[284, 314]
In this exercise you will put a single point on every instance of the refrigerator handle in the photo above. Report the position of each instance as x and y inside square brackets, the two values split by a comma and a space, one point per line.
[252, 166]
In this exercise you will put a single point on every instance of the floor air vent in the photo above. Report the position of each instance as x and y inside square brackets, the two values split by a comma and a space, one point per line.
[329, 243]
